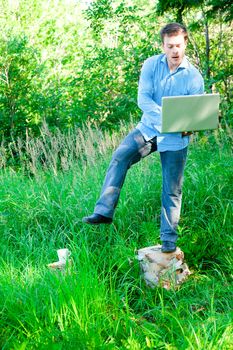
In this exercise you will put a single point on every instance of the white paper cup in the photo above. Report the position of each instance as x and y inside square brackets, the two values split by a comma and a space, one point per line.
[63, 255]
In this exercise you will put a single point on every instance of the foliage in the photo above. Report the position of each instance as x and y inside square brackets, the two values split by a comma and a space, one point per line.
[19, 97]
[70, 63]
[224, 7]
[179, 6]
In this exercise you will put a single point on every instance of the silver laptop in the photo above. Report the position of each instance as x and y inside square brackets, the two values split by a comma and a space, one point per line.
[190, 113]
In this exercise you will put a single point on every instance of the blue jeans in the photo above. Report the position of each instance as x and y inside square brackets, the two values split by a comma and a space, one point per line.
[132, 149]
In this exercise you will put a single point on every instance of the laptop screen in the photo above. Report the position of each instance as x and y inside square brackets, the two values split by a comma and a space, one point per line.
[190, 113]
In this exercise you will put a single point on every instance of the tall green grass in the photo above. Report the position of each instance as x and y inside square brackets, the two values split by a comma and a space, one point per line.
[101, 302]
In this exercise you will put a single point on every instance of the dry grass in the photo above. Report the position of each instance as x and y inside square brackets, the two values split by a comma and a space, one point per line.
[58, 151]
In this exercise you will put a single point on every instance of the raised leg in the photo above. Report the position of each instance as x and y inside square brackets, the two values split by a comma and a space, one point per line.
[131, 150]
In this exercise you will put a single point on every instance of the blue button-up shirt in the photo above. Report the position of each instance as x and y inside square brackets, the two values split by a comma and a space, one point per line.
[157, 81]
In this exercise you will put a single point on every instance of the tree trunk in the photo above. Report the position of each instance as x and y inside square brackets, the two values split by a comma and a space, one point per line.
[207, 51]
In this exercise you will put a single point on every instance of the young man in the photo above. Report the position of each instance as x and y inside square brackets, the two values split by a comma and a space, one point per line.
[167, 74]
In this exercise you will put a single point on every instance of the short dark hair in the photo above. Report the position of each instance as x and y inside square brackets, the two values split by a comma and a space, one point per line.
[174, 29]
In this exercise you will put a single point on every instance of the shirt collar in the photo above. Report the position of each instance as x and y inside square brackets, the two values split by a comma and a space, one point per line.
[184, 63]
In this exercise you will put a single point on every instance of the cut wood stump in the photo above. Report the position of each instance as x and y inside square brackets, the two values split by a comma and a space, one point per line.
[162, 269]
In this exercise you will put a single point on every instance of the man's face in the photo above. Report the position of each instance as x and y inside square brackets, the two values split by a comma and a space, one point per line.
[174, 48]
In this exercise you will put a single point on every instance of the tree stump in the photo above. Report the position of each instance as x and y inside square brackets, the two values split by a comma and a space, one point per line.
[163, 269]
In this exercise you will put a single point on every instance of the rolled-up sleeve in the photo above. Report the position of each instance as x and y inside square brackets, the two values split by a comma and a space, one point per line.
[145, 93]
[196, 83]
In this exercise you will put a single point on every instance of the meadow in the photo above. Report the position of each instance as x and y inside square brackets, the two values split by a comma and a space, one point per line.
[101, 301]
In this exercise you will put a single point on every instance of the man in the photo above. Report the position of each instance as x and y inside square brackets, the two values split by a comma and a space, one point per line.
[167, 74]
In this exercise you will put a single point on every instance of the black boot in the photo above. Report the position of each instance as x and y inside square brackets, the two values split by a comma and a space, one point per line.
[96, 219]
[168, 247]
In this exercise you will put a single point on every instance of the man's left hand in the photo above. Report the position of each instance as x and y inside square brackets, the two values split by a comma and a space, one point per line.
[188, 133]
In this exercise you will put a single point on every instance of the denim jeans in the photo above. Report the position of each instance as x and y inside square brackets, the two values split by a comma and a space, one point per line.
[132, 149]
